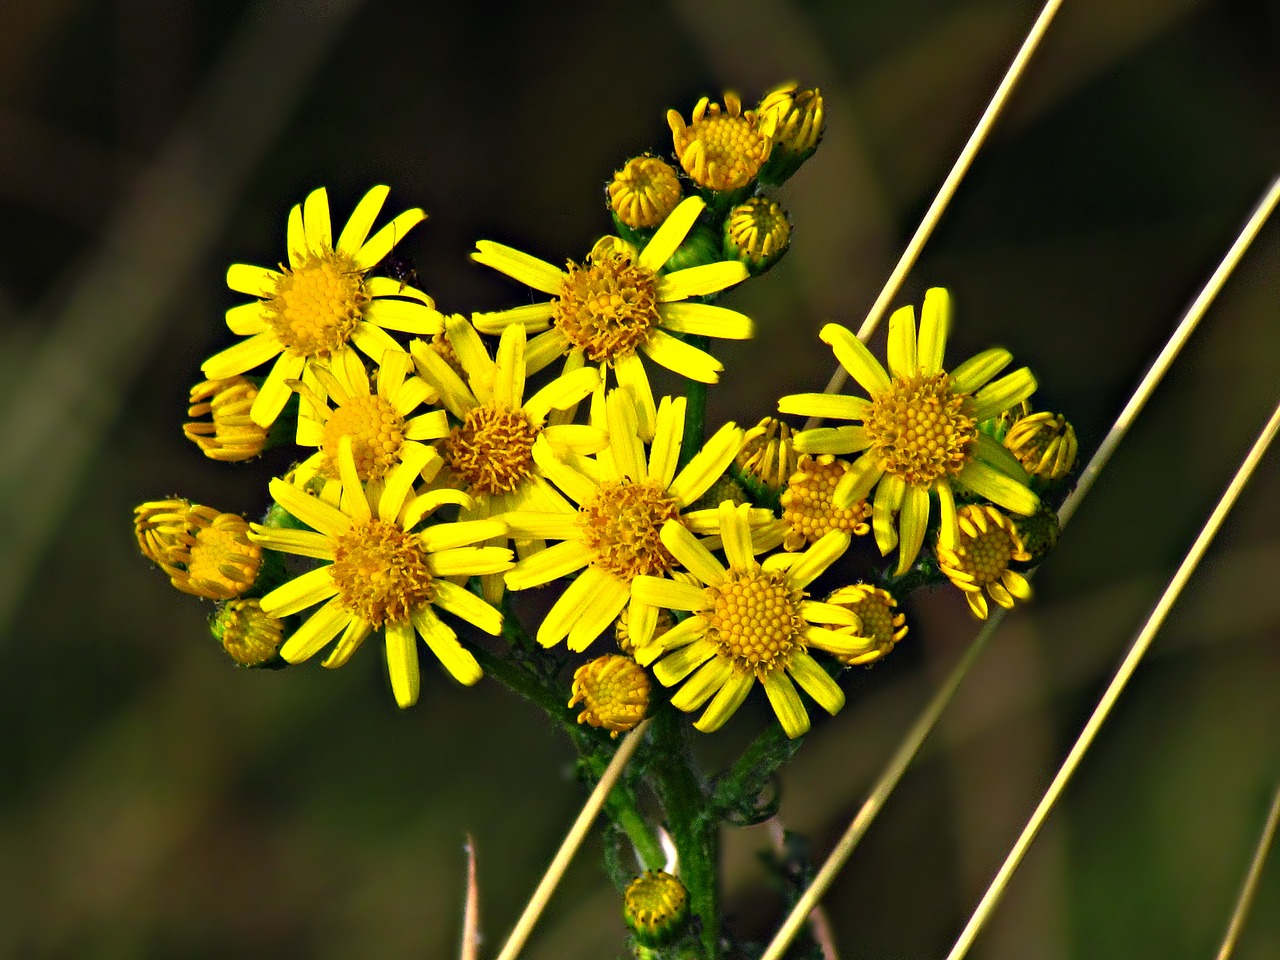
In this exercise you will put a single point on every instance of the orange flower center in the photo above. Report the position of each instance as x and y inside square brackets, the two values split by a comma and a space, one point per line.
[622, 525]
[492, 451]
[921, 430]
[608, 307]
[316, 307]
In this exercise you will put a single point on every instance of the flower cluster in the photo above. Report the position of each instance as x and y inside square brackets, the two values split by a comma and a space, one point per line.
[443, 464]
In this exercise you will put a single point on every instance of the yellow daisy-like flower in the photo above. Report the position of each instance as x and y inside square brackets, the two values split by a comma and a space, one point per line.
[876, 609]
[919, 429]
[379, 574]
[489, 454]
[316, 308]
[377, 423]
[980, 559]
[616, 304]
[229, 434]
[722, 149]
[644, 192]
[808, 508]
[204, 551]
[749, 622]
[615, 534]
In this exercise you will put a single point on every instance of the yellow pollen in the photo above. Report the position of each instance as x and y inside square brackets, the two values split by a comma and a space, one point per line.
[622, 524]
[754, 617]
[381, 572]
[492, 451]
[807, 505]
[376, 432]
[921, 430]
[317, 306]
[608, 307]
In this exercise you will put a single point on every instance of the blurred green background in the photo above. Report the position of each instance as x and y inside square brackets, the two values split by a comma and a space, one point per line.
[156, 802]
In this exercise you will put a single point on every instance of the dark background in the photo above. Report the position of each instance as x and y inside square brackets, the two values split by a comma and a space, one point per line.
[154, 801]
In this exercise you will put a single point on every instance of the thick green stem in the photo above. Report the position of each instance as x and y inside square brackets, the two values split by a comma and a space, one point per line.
[694, 831]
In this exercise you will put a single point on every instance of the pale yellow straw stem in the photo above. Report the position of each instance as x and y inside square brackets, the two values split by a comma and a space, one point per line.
[948, 188]
[471, 909]
[572, 841]
[928, 718]
[1136, 652]
[1245, 900]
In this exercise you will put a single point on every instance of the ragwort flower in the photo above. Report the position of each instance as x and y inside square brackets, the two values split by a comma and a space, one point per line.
[624, 500]
[380, 575]
[316, 308]
[988, 542]
[617, 303]
[722, 148]
[750, 622]
[919, 429]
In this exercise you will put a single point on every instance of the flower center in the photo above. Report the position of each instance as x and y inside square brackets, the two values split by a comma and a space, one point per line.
[608, 307]
[376, 432]
[921, 430]
[722, 149]
[622, 525]
[316, 307]
[986, 556]
[807, 506]
[755, 619]
[381, 572]
[492, 451]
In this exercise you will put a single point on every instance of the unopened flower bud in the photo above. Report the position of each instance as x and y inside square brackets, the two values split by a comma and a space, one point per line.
[722, 148]
[655, 906]
[250, 636]
[757, 233]
[643, 193]
[613, 691]
[881, 624]
[1045, 444]
[799, 120]
[229, 434]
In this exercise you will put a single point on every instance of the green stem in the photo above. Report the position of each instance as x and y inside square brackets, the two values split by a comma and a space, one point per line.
[693, 830]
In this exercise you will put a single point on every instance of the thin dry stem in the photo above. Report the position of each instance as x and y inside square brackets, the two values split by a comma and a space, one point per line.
[920, 730]
[1245, 900]
[471, 909]
[949, 186]
[572, 841]
[1122, 676]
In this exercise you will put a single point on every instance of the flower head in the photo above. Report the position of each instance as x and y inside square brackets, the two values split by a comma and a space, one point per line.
[879, 621]
[322, 303]
[377, 422]
[644, 192]
[799, 119]
[722, 148]
[616, 305]
[250, 636]
[918, 434]
[623, 498]
[750, 622]
[807, 503]
[768, 456]
[757, 233]
[980, 559]
[205, 552]
[1045, 444]
[613, 691]
[379, 574]
[230, 433]
[655, 906]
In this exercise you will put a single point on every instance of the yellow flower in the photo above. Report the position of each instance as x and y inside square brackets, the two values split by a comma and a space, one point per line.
[249, 636]
[879, 623]
[1044, 443]
[613, 691]
[644, 192]
[722, 149]
[757, 233]
[808, 509]
[799, 118]
[489, 454]
[919, 431]
[379, 574]
[617, 304]
[377, 423]
[229, 434]
[980, 559]
[205, 552]
[313, 310]
[616, 533]
[747, 623]
[768, 456]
